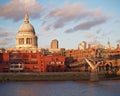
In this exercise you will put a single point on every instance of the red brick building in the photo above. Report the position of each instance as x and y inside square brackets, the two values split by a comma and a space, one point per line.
[30, 62]
[54, 63]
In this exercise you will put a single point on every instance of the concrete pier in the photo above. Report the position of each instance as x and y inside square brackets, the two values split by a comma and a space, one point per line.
[94, 76]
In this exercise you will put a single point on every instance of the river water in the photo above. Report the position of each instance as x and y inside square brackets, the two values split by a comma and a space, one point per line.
[60, 88]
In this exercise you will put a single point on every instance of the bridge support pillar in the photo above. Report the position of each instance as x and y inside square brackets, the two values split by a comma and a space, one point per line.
[94, 76]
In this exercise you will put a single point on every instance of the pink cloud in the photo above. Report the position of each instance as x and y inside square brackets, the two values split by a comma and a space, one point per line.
[75, 13]
[86, 25]
[15, 9]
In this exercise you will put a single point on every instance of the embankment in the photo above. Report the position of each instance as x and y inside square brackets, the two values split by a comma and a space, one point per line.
[49, 76]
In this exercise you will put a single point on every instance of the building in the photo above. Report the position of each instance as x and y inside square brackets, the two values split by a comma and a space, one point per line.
[26, 37]
[27, 57]
[75, 58]
[55, 63]
[82, 46]
[54, 47]
[18, 61]
[54, 44]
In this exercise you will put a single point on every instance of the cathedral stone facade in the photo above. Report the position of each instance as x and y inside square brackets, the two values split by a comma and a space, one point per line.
[26, 37]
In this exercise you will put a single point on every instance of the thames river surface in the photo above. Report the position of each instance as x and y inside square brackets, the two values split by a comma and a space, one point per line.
[60, 88]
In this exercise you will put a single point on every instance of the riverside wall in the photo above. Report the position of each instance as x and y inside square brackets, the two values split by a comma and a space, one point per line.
[47, 76]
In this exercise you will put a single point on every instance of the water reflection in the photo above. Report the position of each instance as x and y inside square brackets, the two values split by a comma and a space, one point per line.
[61, 88]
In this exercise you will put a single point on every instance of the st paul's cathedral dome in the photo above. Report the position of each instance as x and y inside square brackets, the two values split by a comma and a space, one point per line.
[26, 37]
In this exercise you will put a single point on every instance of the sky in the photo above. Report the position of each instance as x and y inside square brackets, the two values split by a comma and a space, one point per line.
[68, 21]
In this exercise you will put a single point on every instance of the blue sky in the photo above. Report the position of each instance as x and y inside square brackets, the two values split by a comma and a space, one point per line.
[68, 21]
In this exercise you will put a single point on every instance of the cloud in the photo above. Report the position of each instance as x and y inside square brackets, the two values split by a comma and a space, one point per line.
[95, 41]
[75, 12]
[117, 21]
[88, 24]
[7, 41]
[15, 9]
[70, 9]
[118, 41]
[88, 35]
[3, 42]
[106, 34]
[1, 28]
[7, 37]
[45, 28]
[4, 34]
[98, 31]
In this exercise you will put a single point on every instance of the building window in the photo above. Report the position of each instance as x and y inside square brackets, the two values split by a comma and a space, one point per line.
[52, 59]
[52, 62]
[28, 40]
[26, 61]
[47, 63]
[58, 62]
[57, 59]
[25, 56]
[33, 56]
[34, 62]
[42, 70]
[21, 40]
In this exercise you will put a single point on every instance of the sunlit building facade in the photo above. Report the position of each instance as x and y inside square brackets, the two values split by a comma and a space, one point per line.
[18, 61]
